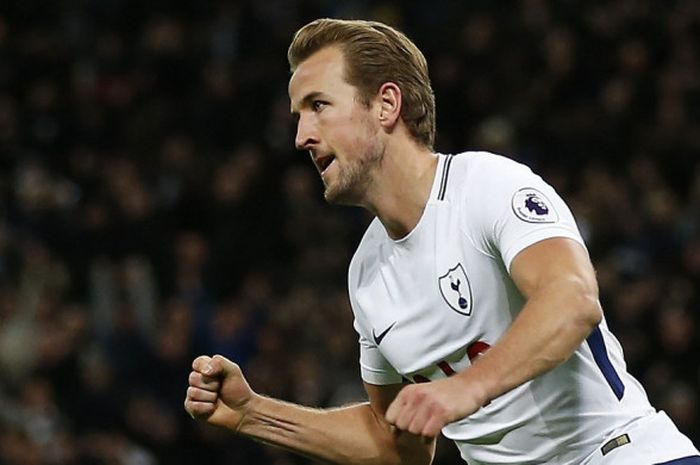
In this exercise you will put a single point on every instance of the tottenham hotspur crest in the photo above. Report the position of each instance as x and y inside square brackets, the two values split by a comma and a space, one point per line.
[456, 290]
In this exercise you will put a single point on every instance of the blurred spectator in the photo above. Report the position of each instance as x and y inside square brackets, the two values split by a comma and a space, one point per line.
[152, 206]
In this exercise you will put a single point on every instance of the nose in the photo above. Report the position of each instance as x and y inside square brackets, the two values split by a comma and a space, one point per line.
[307, 136]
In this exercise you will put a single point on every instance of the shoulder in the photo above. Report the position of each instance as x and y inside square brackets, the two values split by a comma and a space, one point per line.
[473, 172]
[476, 164]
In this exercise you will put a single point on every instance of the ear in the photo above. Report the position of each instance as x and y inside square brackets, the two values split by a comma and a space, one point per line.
[389, 104]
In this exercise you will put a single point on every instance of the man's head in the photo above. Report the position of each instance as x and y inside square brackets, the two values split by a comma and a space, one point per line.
[375, 54]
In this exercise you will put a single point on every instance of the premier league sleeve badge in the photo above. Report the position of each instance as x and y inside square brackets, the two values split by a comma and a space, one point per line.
[533, 206]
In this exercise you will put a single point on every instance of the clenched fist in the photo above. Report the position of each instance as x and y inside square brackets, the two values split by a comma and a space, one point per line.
[218, 393]
[424, 409]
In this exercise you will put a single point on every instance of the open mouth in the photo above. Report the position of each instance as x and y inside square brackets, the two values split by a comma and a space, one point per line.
[324, 162]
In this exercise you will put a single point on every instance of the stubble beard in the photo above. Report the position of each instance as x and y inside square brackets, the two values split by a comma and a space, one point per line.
[354, 179]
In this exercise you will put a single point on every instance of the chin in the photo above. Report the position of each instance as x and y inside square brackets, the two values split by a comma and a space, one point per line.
[348, 188]
[340, 197]
[333, 197]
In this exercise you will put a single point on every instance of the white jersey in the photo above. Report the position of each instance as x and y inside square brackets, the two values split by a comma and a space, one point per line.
[427, 304]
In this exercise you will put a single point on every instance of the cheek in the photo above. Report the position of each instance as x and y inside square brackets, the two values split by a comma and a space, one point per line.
[348, 135]
[367, 135]
[354, 132]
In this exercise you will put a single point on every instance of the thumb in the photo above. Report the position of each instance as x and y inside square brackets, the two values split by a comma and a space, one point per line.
[219, 366]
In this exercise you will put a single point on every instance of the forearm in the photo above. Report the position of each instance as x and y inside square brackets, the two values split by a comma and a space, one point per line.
[550, 327]
[347, 435]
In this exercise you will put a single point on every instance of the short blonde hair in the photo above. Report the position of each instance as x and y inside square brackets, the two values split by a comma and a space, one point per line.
[374, 54]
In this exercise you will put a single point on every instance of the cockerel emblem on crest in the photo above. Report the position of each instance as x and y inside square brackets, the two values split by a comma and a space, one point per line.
[456, 290]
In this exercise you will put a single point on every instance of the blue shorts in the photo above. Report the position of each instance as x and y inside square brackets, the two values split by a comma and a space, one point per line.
[695, 460]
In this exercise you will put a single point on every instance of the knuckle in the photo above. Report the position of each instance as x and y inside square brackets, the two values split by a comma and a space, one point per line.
[437, 412]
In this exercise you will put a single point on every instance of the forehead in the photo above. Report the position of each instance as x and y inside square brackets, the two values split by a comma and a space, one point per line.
[321, 72]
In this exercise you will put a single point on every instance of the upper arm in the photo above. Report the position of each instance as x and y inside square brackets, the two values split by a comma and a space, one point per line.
[556, 264]
[412, 449]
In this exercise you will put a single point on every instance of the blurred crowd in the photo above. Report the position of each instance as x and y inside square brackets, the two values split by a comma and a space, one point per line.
[153, 208]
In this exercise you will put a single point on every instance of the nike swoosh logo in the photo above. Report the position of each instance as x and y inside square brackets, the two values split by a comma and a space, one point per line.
[378, 338]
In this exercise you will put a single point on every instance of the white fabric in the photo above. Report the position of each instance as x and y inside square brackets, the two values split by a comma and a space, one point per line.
[445, 286]
[653, 440]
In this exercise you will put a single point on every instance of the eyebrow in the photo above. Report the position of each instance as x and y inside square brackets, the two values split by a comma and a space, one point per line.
[306, 101]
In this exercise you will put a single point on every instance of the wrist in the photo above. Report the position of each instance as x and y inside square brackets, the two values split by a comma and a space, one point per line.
[480, 393]
[248, 412]
[473, 390]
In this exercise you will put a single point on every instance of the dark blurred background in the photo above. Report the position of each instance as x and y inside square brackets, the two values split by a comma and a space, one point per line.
[152, 206]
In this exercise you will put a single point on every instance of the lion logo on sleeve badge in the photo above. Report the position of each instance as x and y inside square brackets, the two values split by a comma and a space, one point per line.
[533, 206]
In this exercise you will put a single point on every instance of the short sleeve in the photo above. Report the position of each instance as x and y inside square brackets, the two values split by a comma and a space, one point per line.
[510, 208]
[374, 368]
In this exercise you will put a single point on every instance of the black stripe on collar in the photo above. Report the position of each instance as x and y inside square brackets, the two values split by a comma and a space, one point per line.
[445, 174]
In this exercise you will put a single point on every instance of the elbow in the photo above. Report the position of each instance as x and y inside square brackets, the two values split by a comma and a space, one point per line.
[391, 459]
[404, 448]
[396, 449]
[415, 451]
[583, 317]
[421, 456]
[578, 298]
[591, 313]
[595, 314]
[588, 313]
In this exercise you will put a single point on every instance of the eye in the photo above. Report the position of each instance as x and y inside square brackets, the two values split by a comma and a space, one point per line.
[318, 105]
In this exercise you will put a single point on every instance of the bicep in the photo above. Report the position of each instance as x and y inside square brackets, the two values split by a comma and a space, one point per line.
[556, 261]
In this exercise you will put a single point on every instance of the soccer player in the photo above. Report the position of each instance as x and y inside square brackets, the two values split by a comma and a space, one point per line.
[474, 297]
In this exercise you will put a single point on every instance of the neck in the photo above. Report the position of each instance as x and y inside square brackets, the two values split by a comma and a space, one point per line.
[401, 190]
